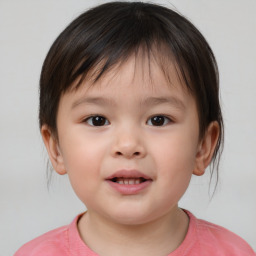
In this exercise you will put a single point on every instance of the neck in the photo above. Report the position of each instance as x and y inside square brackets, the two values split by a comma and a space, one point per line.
[158, 237]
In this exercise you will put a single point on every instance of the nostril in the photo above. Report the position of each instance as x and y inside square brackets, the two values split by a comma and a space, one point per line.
[135, 153]
[128, 153]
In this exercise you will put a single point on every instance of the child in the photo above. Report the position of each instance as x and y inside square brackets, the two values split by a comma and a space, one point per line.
[129, 109]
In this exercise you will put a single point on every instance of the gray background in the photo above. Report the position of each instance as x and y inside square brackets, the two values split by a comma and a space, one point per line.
[28, 28]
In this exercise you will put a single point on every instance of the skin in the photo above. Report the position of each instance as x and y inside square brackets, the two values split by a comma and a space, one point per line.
[117, 224]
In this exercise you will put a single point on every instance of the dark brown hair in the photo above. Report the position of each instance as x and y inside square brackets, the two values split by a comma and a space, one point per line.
[108, 34]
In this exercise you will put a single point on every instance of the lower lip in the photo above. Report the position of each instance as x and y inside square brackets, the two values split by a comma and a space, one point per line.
[127, 189]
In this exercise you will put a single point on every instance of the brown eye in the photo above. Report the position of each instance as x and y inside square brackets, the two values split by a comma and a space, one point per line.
[158, 120]
[97, 121]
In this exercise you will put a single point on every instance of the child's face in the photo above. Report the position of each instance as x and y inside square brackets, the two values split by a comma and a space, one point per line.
[143, 127]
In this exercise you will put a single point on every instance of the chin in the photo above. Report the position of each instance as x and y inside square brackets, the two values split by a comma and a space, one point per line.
[131, 217]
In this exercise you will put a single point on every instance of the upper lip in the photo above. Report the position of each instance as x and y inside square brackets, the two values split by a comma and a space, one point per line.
[124, 173]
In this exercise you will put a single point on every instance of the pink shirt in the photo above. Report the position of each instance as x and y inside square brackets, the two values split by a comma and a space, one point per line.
[202, 239]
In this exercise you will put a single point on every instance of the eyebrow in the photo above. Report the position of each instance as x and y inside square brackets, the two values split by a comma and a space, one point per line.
[151, 101]
[93, 100]
[164, 100]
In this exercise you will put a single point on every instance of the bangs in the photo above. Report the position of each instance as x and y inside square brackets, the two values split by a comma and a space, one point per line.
[144, 56]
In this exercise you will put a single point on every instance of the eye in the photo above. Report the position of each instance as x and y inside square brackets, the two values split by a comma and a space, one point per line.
[97, 121]
[158, 120]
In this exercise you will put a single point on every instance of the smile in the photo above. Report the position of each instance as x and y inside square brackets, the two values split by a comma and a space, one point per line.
[129, 182]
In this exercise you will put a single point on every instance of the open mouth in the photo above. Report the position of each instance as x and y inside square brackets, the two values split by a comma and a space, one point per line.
[128, 181]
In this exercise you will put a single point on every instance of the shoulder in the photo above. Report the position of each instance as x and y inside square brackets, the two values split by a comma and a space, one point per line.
[51, 243]
[219, 240]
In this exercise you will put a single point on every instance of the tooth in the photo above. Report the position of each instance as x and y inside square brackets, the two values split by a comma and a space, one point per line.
[131, 181]
[120, 181]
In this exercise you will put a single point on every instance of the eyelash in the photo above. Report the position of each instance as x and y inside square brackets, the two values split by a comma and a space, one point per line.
[89, 120]
[166, 120]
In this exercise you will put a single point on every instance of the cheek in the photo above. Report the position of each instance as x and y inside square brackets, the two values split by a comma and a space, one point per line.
[82, 158]
[176, 152]
[175, 161]
[80, 150]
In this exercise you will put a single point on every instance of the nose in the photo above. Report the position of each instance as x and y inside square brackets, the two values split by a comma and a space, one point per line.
[128, 144]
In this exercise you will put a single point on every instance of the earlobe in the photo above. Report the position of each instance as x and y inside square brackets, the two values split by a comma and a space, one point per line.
[53, 150]
[206, 148]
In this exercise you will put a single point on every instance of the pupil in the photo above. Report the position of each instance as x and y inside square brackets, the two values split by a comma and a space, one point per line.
[98, 120]
[158, 120]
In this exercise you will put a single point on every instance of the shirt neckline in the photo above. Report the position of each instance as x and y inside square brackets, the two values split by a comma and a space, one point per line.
[77, 247]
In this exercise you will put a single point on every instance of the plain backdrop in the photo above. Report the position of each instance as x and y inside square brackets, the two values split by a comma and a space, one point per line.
[28, 28]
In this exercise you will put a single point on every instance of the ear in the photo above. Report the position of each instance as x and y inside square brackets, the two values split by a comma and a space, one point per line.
[206, 148]
[52, 146]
